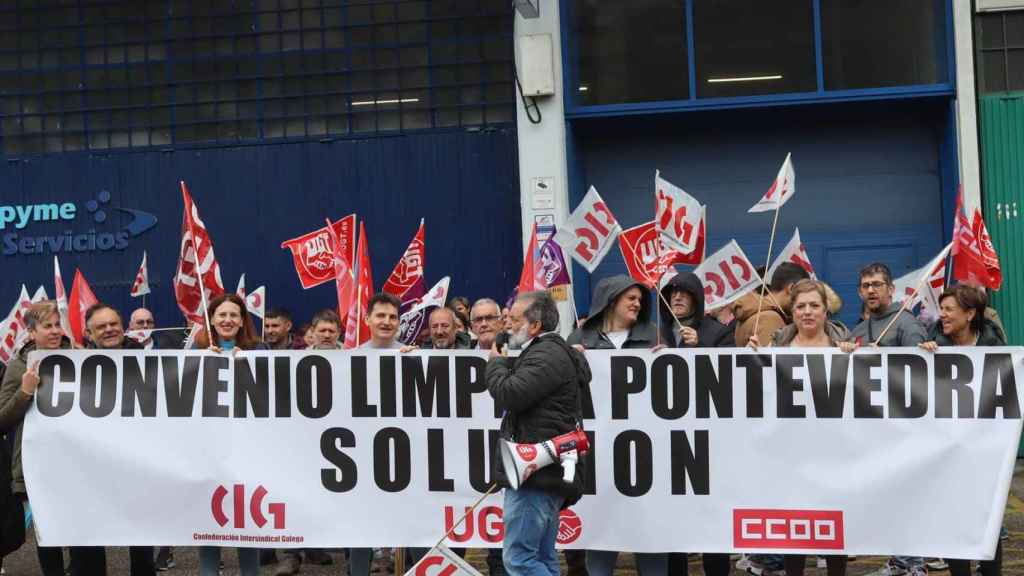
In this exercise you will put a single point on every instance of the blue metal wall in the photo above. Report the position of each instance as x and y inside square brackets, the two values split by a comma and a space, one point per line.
[253, 197]
[871, 180]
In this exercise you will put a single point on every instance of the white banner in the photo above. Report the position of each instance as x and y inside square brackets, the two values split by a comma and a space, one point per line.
[895, 451]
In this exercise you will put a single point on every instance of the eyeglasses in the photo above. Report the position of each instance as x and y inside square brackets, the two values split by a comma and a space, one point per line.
[870, 285]
[482, 319]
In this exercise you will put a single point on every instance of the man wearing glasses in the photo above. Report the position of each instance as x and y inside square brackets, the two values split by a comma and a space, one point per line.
[486, 322]
[142, 320]
[876, 290]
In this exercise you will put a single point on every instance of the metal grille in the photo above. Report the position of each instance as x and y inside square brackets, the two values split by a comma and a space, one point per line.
[98, 75]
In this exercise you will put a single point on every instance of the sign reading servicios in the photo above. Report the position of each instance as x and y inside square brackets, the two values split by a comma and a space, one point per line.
[100, 236]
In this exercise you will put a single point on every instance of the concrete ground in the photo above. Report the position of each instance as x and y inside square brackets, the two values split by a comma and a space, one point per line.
[23, 562]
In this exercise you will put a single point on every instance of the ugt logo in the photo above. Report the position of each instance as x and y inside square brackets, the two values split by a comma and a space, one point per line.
[275, 509]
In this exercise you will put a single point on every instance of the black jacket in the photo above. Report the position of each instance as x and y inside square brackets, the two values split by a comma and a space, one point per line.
[539, 391]
[989, 335]
[710, 332]
[591, 335]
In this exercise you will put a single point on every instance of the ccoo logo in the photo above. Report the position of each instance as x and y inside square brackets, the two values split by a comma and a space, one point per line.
[794, 529]
[238, 508]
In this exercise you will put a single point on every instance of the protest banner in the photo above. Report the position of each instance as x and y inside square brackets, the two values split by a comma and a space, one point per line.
[379, 449]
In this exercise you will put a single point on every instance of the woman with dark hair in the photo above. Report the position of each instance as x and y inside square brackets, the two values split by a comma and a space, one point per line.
[962, 322]
[232, 330]
[620, 317]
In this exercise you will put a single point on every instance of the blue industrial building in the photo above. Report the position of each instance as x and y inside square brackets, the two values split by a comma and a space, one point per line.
[279, 113]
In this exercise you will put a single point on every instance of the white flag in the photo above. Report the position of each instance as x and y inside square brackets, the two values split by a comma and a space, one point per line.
[727, 275]
[240, 290]
[256, 301]
[677, 216]
[928, 295]
[589, 232]
[794, 253]
[140, 286]
[13, 331]
[412, 322]
[781, 191]
[62, 299]
[40, 295]
[441, 561]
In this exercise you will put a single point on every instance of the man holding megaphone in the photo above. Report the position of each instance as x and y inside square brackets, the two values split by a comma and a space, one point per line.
[542, 436]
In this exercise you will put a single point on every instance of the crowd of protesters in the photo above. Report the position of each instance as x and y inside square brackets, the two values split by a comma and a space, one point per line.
[792, 310]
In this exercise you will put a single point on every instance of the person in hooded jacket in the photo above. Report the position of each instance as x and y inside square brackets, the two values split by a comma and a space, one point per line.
[620, 317]
[684, 294]
[684, 325]
[16, 395]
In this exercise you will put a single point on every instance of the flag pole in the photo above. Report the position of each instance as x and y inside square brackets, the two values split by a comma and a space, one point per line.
[764, 281]
[199, 271]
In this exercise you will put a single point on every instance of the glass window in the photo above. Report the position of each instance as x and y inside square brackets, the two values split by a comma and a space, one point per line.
[1000, 44]
[746, 48]
[229, 70]
[869, 44]
[630, 51]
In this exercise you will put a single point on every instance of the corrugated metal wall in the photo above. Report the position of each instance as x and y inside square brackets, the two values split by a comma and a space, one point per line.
[869, 177]
[1002, 137]
[253, 197]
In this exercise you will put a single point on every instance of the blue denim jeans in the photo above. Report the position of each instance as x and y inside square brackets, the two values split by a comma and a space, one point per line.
[602, 563]
[531, 527]
[209, 561]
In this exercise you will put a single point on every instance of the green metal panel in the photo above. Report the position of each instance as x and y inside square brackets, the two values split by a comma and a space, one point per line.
[1002, 136]
[1002, 143]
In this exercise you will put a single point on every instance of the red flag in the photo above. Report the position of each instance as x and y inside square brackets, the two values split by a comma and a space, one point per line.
[993, 272]
[344, 280]
[141, 285]
[80, 299]
[192, 266]
[968, 262]
[527, 277]
[406, 280]
[313, 253]
[357, 331]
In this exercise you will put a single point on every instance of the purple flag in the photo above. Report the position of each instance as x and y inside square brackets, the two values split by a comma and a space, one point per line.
[551, 268]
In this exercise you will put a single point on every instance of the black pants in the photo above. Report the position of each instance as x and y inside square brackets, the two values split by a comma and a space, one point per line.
[92, 561]
[993, 567]
[495, 565]
[51, 560]
[575, 562]
[795, 564]
[714, 564]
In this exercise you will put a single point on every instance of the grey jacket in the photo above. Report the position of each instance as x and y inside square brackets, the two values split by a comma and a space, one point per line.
[591, 335]
[785, 335]
[907, 331]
